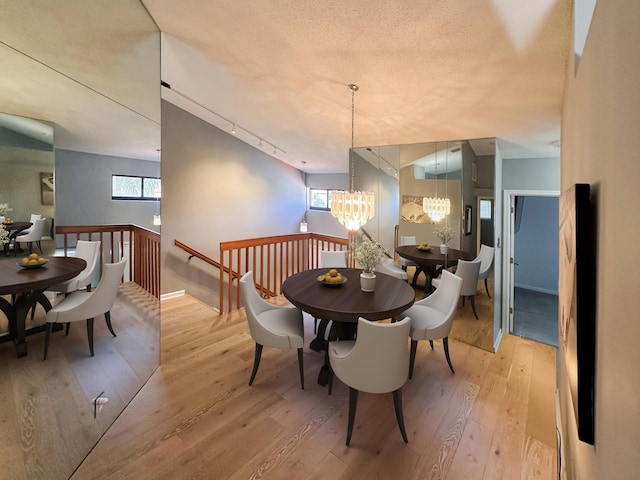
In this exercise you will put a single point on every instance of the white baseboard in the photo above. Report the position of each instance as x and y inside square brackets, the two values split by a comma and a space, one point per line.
[178, 293]
[496, 344]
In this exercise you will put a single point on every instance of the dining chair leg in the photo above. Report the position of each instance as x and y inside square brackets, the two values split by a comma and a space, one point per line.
[486, 287]
[473, 306]
[300, 366]
[353, 403]
[90, 334]
[107, 317]
[66, 332]
[330, 380]
[412, 356]
[256, 362]
[47, 336]
[431, 343]
[315, 325]
[397, 403]
[445, 342]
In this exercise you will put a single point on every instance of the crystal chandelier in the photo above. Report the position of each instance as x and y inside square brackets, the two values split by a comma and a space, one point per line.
[352, 208]
[436, 207]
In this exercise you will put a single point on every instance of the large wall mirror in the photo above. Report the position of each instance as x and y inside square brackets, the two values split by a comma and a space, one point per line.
[80, 100]
[462, 170]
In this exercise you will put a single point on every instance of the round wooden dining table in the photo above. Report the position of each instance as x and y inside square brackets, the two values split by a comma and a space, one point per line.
[431, 262]
[27, 287]
[342, 305]
[14, 228]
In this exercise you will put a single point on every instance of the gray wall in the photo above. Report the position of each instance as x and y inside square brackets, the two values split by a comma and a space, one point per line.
[20, 170]
[217, 188]
[531, 174]
[83, 190]
[537, 238]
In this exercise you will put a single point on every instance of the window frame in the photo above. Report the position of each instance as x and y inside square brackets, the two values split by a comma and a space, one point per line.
[142, 197]
[328, 193]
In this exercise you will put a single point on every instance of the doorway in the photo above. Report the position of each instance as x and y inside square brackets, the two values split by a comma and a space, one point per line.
[532, 263]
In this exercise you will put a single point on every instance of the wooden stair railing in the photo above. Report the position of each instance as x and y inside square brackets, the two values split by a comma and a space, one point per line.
[272, 260]
[139, 245]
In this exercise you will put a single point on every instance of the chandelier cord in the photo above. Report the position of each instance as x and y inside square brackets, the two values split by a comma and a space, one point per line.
[354, 88]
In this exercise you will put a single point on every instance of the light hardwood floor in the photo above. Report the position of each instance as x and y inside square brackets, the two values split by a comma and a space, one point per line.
[197, 418]
[46, 415]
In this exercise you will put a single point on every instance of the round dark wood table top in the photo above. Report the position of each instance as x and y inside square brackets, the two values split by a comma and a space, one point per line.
[16, 226]
[15, 279]
[433, 256]
[347, 302]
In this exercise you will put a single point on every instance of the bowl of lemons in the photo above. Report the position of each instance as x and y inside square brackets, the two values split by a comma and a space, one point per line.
[332, 278]
[32, 261]
[425, 247]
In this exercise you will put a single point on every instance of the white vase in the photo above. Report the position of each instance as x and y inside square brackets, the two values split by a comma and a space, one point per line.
[444, 249]
[368, 281]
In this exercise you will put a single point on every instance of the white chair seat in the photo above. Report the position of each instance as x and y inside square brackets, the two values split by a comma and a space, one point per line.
[286, 331]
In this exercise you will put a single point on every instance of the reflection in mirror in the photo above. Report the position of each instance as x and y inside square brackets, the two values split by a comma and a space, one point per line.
[376, 170]
[463, 172]
[105, 109]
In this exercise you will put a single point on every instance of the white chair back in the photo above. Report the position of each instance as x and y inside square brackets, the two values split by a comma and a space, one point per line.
[89, 251]
[379, 360]
[388, 266]
[35, 235]
[486, 260]
[408, 240]
[469, 272]
[332, 259]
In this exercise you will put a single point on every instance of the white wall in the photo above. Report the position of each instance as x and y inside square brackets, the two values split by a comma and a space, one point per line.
[600, 145]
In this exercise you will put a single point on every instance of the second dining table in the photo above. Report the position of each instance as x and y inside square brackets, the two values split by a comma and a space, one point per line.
[431, 261]
[14, 229]
[342, 305]
[26, 287]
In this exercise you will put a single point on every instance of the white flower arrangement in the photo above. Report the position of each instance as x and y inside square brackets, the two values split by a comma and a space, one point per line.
[368, 254]
[4, 209]
[4, 235]
[445, 233]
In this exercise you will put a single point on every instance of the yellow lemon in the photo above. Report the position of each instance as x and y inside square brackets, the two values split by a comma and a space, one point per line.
[24, 261]
[33, 262]
[33, 256]
[41, 260]
[333, 272]
[321, 278]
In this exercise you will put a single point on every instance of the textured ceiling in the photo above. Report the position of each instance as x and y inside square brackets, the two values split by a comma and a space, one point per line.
[427, 70]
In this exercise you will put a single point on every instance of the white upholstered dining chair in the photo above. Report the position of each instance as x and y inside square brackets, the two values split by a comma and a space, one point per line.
[485, 256]
[271, 325]
[432, 317]
[89, 251]
[81, 305]
[469, 271]
[375, 362]
[35, 235]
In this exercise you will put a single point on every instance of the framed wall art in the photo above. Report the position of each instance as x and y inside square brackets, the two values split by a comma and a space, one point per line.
[46, 188]
[577, 314]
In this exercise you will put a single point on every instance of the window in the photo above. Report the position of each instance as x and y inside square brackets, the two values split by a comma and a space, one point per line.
[486, 209]
[135, 188]
[320, 199]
